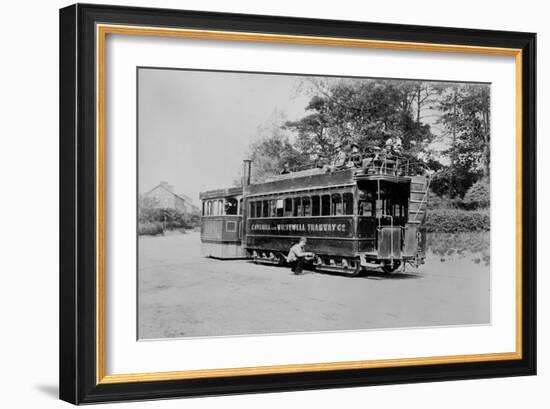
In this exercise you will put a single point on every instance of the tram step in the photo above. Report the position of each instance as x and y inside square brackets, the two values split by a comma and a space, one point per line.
[335, 269]
[266, 260]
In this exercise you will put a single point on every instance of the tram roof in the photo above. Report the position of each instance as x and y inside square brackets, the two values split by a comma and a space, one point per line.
[221, 193]
[322, 180]
[305, 180]
[295, 181]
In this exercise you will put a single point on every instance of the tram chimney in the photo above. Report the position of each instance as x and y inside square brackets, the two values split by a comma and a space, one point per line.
[246, 172]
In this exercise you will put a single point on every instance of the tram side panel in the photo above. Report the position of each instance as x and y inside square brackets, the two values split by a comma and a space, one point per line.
[221, 237]
[330, 236]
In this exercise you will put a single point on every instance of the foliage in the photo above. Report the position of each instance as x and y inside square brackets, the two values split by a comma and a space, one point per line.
[453, 181]
[457, 220]
[147, 207]
[475, 246]
[270, 153]
[155, 220]
[465, 115]
[365, 112]
[478, 196]
[440, 202]
[150, 228]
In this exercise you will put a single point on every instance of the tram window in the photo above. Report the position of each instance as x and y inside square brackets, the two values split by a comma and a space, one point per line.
[259, 208]
[336, 204]
[365, 208]
[230, 206]
[306, 204]
[398, 210]
[240, 206]
[297, 206]
[252, 209]
[265, 208]
[315, 206]
[348, 203]
[380, 211]
[325, 205]
[279, 208]
[288, 207]
[272, 208]
[202, 208]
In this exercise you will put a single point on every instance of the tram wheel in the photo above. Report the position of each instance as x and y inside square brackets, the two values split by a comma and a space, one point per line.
[389, 269]
[355, 270]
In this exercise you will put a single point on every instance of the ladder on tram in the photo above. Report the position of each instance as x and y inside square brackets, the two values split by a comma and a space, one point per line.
[418, 202]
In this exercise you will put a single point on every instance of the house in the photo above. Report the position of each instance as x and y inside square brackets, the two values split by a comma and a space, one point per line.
[165, 198]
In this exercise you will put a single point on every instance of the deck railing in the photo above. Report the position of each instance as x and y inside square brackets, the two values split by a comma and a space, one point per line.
[369, 164]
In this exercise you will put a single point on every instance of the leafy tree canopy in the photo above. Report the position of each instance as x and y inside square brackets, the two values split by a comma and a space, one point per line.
[369, 111]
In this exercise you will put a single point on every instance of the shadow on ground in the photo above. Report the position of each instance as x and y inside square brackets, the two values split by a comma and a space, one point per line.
[50, 390]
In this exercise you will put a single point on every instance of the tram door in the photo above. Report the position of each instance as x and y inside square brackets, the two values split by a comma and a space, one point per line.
[387, 204]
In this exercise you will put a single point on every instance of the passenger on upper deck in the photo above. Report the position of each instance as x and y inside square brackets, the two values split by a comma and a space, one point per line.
[368, 160]
[394, 145]
[355, 157]
[340, 159]
[286, 169]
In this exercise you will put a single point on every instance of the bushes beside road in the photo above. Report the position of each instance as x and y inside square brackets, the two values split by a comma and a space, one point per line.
[150, 228]
[469, 213]
[457, 220]
[154, 220]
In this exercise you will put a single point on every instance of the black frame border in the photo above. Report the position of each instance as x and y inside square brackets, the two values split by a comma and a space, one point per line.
[77, 255]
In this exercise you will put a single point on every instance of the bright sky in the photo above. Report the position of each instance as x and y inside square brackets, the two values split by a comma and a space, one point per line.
[195, 126]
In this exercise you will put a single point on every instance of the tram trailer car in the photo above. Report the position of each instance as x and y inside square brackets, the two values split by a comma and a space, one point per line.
[366, 217]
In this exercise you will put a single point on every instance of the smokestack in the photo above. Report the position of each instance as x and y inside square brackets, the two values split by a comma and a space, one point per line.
[246, 172]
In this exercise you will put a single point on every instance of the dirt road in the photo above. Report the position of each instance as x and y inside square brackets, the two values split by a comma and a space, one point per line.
[183, 294]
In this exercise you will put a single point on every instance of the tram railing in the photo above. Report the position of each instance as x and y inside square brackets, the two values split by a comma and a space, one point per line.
[391, 165]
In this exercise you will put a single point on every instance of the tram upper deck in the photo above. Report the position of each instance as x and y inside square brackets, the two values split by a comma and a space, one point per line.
[393, 170]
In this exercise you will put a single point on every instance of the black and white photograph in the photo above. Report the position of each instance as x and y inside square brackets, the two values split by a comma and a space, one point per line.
[273, 203]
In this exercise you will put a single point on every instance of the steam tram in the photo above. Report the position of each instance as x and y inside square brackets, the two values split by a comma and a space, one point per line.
[365, 217]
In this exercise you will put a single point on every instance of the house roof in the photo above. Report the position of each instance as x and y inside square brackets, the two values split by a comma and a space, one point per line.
[183, 197]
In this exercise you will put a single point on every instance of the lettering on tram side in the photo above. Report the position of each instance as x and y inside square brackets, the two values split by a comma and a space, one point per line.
[321, 228]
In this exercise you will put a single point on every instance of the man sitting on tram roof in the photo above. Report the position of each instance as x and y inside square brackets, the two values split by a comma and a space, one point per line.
[286, 169]
[355, 157]
[341, 158]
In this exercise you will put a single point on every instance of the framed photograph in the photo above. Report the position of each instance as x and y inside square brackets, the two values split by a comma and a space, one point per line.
[258, 204]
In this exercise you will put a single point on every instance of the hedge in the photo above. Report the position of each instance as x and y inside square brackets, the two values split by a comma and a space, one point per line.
[457, 220]
[150, 228]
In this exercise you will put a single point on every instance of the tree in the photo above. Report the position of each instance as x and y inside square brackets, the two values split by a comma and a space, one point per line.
[270, 151]
[369, 111]
[366, 112]
[465, 116]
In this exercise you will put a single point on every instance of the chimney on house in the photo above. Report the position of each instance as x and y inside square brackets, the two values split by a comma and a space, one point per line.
[167, 186]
